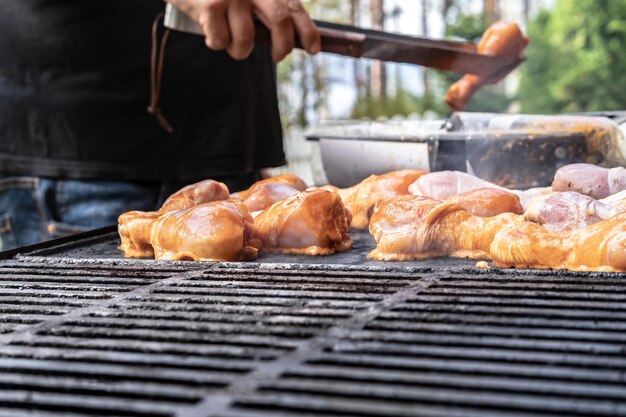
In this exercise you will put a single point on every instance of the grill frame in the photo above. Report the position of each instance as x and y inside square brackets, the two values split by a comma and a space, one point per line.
[109, 336]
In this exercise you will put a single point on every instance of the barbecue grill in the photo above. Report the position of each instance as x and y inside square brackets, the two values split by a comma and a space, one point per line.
[85, 332]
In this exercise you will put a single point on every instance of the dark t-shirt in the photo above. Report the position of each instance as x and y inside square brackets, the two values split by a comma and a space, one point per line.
[74, 88]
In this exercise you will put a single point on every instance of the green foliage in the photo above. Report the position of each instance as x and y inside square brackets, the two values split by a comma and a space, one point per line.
[402, 103]
[576, 60]
[467, 27]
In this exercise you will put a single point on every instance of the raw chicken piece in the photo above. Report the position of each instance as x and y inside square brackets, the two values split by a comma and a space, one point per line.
[264, 194]
[567, 211]
[134, 229]
[617, 201]
[591, 180]
[287, 179]
[361, 198]
[488, 202]
[416, 227]
[313, 222]
[134, 226]
[444, 184]
[598, 247]
[526, 196]
[216, 231]
[198, 193]
[501, 39]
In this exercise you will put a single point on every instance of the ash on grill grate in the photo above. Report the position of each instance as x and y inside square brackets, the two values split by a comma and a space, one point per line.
[30, 294]
[114, 337]
[148, 344]
[467, 345]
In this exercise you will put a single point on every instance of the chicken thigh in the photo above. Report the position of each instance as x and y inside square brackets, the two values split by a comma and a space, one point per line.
[444, 184]
[617, 201]
[216, 231]
[287, 179]
[488, 202]
[134, 226]
[567, 211]
[198, 193]
[134, 229]
[313, 222]
[361, 198]
[416, 227]
[413, 227]
[264, 194]
[597, 247]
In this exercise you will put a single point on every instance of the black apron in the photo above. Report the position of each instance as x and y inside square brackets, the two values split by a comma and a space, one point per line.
[75, 85]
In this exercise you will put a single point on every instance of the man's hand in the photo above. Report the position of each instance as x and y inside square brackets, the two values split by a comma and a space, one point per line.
[227, 24]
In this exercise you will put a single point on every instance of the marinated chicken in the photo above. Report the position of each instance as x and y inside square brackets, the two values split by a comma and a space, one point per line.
[416, 227]
[488, 202]
[313, 222]
[134, 226]
[501, 39]
[617, 201]
[591, 180]
[597, 247]
[361, 198]
[198, 193]
[216, 231]
[264, 194]
[444, 184]
[567, 211]
[286, 179]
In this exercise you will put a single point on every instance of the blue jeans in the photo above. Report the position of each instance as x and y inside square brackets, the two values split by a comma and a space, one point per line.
[34, 209]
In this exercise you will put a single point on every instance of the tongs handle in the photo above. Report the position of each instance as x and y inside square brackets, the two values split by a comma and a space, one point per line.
[356, 42]
[334, 41]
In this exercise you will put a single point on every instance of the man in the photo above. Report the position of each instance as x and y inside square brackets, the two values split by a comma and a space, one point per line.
[77, 146]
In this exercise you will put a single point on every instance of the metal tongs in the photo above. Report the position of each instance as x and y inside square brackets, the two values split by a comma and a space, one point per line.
[356, 42]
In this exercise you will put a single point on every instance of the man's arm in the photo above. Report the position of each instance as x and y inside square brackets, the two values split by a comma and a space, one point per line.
[228, 24]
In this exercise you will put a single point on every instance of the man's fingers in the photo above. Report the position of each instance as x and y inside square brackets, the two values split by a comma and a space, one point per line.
[228, 24]
[241, 29]
[282, 39]
[305, 28]
[215, 24]
[276, 16]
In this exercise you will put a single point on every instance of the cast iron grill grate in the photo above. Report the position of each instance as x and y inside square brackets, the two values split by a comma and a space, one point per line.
[110, 337]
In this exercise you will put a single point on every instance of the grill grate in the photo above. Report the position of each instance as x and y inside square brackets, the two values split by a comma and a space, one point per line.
[91, 337]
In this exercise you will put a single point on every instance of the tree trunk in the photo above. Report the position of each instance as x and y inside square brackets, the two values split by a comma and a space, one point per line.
[319, 80]
[355, 14]
[425, 76]
[300, 61]
[526, 10]
[445, 8]
[378, 81]
[492, 10]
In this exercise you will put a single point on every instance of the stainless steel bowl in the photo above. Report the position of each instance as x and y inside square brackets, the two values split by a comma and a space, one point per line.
[516, 151]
